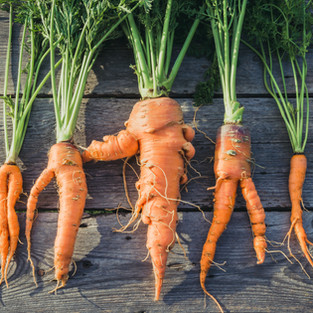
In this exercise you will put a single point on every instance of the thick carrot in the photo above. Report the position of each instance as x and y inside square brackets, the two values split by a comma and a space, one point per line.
[298, 166]
[11, 186]
[156, 129]
[232, 166]
[65, 163]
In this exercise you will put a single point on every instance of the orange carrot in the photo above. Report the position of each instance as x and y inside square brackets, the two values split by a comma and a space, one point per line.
[298, 165]
[65, 163]
[232, 166]
[156, 129]
[11, 186]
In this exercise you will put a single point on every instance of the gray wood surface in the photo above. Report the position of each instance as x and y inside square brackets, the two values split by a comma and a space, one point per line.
[111, 276]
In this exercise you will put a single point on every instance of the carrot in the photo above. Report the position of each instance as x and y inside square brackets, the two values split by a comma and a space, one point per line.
[78, 44]
[298, 166]
[269, 43]
[157, 131]
[65, 164]
[233, 143]
[232, 167]
[11, 186]
[155, 127]
[18, 110]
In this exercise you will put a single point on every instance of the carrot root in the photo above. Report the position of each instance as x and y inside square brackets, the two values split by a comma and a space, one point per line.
[65, 163]
[11, 186]
[156, 129]
[298, 166]
[231, 167]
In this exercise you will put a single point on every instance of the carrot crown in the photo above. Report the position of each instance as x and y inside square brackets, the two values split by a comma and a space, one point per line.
[78, 30]
[284, 38]
[18, 110]
[151, 35]
[226, 22]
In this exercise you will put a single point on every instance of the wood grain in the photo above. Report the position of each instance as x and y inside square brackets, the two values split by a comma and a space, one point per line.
[111, 276]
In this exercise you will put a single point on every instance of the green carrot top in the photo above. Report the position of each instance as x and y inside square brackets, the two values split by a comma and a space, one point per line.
[150, 32]
[78, 30]
[283, 39]
[18, 110]
[226, 18]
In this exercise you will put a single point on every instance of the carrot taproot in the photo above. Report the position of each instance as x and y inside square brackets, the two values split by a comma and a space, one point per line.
[157, 131]
[232, 167]
[298, 166]
[65, 164]
[11, 186]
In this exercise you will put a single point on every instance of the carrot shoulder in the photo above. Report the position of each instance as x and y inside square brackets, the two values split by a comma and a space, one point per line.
[65, 163]
[156, 129]
[231, 167]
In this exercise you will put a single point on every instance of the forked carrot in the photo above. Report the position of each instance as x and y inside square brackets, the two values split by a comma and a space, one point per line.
[232, 167]
[157, 131]
[11, 186]
[65, 164]
[232, 164]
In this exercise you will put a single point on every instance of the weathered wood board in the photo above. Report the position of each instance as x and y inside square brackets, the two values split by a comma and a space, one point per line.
[111, 276]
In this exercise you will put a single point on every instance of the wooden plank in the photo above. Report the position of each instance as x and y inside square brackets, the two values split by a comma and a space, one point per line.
[112, 76]
[111, 276]
[270, 146]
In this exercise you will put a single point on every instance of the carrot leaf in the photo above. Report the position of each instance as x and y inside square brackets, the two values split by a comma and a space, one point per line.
[151, 31]
[282, 43]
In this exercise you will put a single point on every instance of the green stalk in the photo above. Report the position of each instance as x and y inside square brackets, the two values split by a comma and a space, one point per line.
[6, 77]
[235, 50]
[285, 114]
[160, 68]
[169, 82]
[52, 63]
[11, 157]
[142, 65]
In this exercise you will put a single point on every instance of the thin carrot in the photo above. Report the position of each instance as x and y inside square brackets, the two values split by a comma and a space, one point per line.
[298, 166]
[232, 167]
[272, 43]
[157, 131]
[65, 164]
